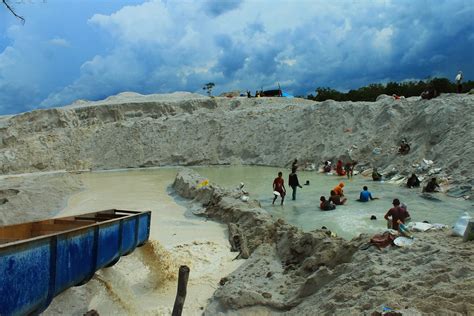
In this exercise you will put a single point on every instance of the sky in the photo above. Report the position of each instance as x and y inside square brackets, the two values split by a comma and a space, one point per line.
[91, 49]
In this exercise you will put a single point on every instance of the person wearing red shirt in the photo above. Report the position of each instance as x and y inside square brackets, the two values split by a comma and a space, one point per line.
[397, 212]
[279, 186]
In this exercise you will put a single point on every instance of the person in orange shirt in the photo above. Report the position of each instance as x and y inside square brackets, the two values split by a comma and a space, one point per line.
[338, 189]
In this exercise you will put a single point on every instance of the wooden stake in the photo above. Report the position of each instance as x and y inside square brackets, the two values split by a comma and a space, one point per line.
[181, 294]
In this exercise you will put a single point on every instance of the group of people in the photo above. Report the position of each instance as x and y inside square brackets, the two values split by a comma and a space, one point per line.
[342, 169]
[337, 197]
[279, 189]
[395, 216]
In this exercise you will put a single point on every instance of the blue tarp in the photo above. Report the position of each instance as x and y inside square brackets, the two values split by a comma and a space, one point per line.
[286, 95]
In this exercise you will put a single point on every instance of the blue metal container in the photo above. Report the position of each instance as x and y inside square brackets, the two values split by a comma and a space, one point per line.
[39, 260]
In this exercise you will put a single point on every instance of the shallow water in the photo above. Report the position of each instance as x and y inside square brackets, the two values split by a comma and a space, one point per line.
[149, 189]
[144, 282]
[348, 220]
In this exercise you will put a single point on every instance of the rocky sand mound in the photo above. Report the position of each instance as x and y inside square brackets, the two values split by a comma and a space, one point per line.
[131, 130]
[296, 273]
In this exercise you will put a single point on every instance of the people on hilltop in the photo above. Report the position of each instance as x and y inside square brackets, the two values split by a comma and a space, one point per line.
[293, 182]
[327, 166]
[279, 188]
[339, 168]
[376, 176]
[432, 186]
[404, 147]
[429, 93]
[397, 214]
[413, 181]
[326, 205]
[365, 195]
[459, 78]
[336, 198]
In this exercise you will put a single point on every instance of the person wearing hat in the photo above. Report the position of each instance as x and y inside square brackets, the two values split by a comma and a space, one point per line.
[397, 213]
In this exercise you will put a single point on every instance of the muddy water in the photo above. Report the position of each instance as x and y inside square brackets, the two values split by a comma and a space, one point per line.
[143, 283]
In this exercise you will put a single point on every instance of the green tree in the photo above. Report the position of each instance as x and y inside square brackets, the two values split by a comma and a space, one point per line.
[208, 87]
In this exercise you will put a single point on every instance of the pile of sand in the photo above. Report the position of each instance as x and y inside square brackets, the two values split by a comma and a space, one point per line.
[306, 273]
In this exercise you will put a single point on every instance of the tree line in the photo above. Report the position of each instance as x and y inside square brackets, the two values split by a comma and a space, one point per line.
[372, 91]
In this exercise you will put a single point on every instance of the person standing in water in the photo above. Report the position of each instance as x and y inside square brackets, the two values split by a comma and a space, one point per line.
[396, 213]
[279, 186]
[293, 182]
[294, 165]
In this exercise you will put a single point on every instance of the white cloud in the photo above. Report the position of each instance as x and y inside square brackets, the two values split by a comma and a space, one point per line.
[57, 41]
[164, 46]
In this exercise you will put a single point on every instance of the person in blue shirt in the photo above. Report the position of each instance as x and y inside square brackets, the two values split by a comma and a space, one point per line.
[365, 195]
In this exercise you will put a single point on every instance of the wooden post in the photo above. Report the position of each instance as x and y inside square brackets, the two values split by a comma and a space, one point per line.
[181, 294]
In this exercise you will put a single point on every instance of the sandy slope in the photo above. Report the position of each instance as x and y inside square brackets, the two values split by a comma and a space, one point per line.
[130, 130]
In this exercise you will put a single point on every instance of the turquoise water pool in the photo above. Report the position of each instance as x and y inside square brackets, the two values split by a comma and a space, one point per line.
[348, 220]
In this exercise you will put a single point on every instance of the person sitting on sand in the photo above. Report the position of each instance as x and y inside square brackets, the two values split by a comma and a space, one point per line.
[279, 186]
[404, 147]
[336, 199]
[365, 195]
[413, 181]
[327, 166]
[326, 205]
[376, 176]
[432, 186]
[339, 169]
[338, 189]
[293, 182]
[396, 213]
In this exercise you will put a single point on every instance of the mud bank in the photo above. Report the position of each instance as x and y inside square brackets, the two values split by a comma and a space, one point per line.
[131, 130]
[296, 273]
[33, 197]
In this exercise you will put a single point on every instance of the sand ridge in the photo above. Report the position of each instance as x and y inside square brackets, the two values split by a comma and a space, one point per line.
[297, 273]
[131, 130]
